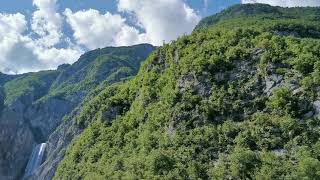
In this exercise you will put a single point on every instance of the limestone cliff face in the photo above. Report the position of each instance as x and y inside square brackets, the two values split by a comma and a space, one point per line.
[24, 125]
[33, 105]
[16, 141]
[58, 142]
[48, 115]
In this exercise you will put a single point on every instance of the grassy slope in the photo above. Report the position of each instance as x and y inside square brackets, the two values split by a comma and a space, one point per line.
[200, 107]
[35, 83]
[108, 64]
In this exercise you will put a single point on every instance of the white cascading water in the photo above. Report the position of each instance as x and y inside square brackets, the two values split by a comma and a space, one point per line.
[35, 159]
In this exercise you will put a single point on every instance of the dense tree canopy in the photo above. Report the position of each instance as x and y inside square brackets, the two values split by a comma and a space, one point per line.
[233, 101]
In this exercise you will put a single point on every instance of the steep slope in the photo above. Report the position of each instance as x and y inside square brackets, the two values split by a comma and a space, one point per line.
[239, 100]
[17, 134]
[60, 139]
[260, 11]
[34, 104]
[5, 78]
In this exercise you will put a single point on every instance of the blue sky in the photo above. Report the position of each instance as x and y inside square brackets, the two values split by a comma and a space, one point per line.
[26, 7]
[42, 34]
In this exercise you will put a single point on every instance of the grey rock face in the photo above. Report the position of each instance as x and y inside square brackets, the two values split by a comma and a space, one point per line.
[13, 157]
[57, 144]
[272, 81]
[316, 106]
[26, 125]
[176, 56]
[59, 141]
[308, 115]
[51, 112]
[199, 85]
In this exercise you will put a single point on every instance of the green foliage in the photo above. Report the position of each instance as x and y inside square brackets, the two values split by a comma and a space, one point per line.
[5, 78]
[267, 132]
[260, 11]
[99, 67]
[106, 65]
[283, 101]
[200, 107]
[36, 84]
[243, 163]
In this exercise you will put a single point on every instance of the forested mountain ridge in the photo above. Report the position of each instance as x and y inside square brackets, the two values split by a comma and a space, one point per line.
[33, 105]
[237, 99]
[261, 11]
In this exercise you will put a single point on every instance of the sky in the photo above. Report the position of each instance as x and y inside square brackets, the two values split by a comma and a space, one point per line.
[42, 34]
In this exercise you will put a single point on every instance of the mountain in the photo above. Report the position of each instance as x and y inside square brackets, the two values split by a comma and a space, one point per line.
[33, 105]
[260, 12]
[5, 78]
[237, 99]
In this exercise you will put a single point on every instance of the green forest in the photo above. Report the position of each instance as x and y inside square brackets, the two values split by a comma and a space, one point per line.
[239, 98]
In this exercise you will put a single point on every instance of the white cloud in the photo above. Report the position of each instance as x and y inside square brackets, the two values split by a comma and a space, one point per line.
[26, 49]
[286, 3]
[129, 36]
[53, 57]
[12, 23]
[95, 30]
[161, 19]
[11, 26]
[21, 53]
[46, 22]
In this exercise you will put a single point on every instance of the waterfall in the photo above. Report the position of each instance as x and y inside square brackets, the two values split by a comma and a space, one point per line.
[36, 159]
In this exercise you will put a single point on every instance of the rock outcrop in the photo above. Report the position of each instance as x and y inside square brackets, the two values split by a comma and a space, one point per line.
[24, 125]
[57, 143]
